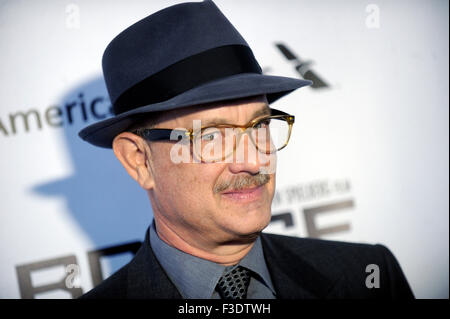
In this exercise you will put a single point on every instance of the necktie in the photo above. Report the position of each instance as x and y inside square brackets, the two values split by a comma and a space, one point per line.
[234, 284]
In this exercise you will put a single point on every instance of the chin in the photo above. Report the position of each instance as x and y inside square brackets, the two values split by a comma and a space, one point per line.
[253, 222]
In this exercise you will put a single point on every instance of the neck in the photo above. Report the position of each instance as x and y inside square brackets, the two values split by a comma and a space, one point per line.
[225, 254]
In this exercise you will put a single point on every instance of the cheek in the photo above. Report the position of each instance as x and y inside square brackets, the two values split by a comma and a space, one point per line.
[185, 186]
[196, 181]
[272, 185]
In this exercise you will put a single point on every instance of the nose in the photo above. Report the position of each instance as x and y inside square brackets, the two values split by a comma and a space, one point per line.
[247, 158]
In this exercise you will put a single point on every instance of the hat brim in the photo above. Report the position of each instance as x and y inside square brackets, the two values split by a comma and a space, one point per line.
[237, 86]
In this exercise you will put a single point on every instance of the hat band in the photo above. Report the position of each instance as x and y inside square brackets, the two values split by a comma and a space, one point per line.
[188, 73]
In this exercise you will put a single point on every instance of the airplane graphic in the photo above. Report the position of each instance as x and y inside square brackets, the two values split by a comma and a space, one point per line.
[303, 67]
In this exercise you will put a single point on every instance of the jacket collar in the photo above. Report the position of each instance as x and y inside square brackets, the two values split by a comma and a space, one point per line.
[146, 277]
[292, 276]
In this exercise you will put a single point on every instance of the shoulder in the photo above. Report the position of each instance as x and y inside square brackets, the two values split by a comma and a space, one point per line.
[142, 278]
[114, 287]
[313, 248]
[321, 253]
[350, 263]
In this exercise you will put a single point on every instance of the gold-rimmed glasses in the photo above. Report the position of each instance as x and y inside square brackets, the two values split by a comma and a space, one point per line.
[212, 143]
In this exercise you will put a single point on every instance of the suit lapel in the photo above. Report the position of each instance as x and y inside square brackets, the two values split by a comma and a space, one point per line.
[292, 276]
[146, 278]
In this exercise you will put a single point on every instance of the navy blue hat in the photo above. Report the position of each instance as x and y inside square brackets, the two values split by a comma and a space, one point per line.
[183, 55]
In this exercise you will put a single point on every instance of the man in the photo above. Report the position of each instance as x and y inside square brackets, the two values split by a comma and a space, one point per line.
[195, 129]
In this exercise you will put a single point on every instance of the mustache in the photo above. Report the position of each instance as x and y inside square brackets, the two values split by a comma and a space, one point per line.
[241, 182]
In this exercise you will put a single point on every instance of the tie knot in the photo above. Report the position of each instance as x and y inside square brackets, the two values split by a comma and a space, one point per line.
[234, 284]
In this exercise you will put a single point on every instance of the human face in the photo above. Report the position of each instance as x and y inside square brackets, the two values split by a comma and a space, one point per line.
[199, 201]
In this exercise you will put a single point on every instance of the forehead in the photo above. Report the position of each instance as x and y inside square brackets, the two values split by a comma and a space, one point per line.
[239, 111]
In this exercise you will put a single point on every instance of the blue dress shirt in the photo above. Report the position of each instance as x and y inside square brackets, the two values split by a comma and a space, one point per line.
[196, 278]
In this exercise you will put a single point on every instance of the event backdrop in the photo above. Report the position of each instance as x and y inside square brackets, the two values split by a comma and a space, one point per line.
[368, 160]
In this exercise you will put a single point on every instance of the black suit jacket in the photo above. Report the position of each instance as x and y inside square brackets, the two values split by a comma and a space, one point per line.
[300, 268]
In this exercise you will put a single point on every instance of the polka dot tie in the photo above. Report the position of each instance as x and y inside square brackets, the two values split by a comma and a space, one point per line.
[234, 284]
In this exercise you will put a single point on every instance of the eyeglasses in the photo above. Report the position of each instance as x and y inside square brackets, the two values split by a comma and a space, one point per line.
[269, 134]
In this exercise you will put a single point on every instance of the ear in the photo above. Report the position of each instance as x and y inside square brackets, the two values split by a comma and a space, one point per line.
[134, 154]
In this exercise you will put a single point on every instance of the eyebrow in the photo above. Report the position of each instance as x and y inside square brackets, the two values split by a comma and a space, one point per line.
[219, 120]
[261, 112]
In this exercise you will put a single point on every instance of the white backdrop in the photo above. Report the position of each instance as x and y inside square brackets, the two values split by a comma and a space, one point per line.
[369, 153]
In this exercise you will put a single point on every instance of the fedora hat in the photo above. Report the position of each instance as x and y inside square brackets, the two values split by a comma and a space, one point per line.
[184, 55]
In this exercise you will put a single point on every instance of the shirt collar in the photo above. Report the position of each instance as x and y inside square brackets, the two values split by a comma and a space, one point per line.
[184, 269]
[255, 261]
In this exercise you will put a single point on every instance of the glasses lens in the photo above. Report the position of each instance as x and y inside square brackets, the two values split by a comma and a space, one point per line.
[210, 144]
[215, 144]
[271, 135]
